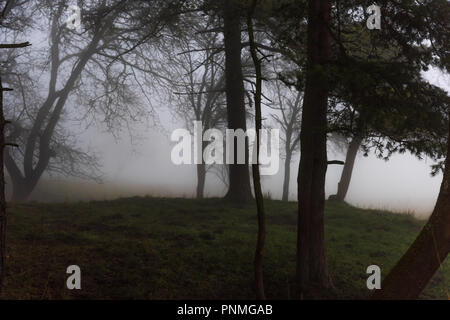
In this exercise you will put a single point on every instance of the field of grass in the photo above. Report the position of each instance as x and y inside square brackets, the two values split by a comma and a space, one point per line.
[149, 248]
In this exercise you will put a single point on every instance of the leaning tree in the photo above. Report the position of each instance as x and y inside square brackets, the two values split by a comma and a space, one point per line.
[411, 274]
[98, 63]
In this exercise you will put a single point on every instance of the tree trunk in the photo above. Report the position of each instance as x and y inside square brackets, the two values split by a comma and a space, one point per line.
[312, 270]
[239, 185]
[258, 262]
[287, 177]
[21, 190]
[3, 217]
[415, 269]
[346, 176]
[22, 187]
[2, 193]
[201, 177]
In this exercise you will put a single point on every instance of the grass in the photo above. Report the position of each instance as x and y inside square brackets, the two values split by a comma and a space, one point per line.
[149, 248]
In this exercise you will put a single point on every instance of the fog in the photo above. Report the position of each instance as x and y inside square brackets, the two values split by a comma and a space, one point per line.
[403, 184]
[143, 167]
[140, 164]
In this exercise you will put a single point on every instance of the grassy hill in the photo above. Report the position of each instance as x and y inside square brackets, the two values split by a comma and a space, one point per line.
[148, 248]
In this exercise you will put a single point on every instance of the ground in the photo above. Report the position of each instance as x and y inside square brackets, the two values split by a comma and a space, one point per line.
[155, 248]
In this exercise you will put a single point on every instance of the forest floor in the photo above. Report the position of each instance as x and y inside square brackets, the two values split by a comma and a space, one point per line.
[154, 248]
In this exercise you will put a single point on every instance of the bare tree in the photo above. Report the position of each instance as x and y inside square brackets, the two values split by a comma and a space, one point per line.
[259, 278]
[288, 105]
[92, 63]
[198, 81]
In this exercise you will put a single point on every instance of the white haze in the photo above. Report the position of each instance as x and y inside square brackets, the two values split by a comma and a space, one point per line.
[403, 184]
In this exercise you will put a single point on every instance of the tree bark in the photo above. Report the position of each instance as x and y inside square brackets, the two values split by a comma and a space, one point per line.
[239, 184]
[201, 177]
[312, 270]
[287, 177]
[346, 175]
[415, 269]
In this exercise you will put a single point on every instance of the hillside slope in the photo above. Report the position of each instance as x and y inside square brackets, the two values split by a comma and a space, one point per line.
[151, 248]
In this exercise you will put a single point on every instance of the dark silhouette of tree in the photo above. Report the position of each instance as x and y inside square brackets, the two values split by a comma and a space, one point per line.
[415, 269]
[4, 23]
[230, 13]
[347, 171]
[311, 252]
[259, 277]
[239, 183]
[94, 64]
[3, 217]
[355, 74]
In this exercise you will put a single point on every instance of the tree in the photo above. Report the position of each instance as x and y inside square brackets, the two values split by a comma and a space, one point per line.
[2, 192]
[289, 106]
[239, 183]
[197, 77]
[342, 74]
[77, 61]
[259, 279]
[412, 115]
[415, 269]
[344, 182]
[412, 273]
[230, 12]
[388, 121]
[8, 7]
[312, 266]
[361, 121]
